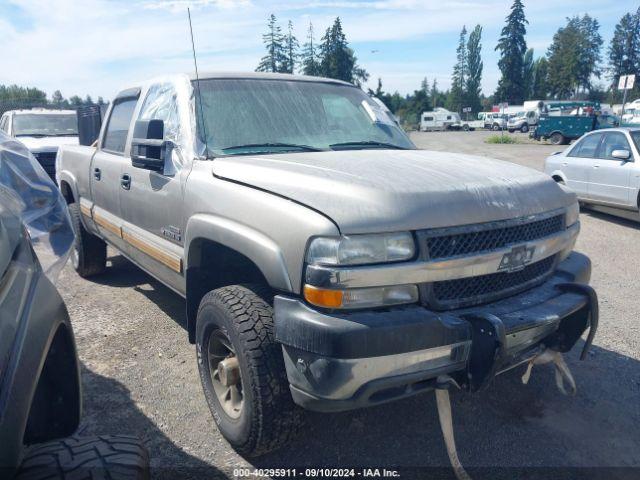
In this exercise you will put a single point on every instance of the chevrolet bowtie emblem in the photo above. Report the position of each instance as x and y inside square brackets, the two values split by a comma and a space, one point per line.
[516, 259]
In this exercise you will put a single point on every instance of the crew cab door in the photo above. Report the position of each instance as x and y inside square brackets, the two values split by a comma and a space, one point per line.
[577, 165]
[611, 177]
[106, 168]
[151, 201]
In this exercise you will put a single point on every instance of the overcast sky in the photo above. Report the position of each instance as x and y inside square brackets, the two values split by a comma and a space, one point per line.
[97, 47]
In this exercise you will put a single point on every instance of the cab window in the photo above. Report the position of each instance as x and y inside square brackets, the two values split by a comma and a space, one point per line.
[115, 136]
[587, 147]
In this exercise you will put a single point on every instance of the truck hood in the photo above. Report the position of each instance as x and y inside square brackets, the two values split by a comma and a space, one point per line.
[46, 144]
[390, 190]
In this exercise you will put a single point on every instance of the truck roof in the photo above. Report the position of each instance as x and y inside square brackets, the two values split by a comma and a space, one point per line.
[41, 111]
[265, 76]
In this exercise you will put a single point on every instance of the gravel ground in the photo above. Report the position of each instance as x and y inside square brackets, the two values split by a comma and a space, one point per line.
[140, 377]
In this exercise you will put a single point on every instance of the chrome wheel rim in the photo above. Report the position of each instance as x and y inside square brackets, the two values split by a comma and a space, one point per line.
[225, 374]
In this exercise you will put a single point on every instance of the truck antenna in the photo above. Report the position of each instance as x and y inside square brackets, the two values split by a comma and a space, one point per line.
[199, 95]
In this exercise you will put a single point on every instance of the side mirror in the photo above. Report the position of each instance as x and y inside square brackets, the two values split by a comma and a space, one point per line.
[149, 150]
[621, 154]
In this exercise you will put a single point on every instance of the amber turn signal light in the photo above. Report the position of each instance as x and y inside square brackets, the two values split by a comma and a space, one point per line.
[321, 297]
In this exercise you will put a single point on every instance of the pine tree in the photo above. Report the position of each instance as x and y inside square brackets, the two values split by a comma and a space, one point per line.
[309, 58]
[459, 76]
[275, 60]
[434, 93]
[540, 88]
[474, 69]
[624, 49]
[291, 50]
[573, 57]
[337, 59]
[57, 100]
[512, 47]
[527, 73]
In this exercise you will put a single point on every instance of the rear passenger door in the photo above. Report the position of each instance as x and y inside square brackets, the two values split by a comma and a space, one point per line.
[107, 166]
[611, 177]
[578, 164]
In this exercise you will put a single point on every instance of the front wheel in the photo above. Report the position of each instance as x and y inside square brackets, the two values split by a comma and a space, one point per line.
[524, 128]
[242, 369]
[495, 127]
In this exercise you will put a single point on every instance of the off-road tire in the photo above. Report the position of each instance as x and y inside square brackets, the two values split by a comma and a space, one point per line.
[113, 457]
[269, 418]
[557, 138]
[91, 251]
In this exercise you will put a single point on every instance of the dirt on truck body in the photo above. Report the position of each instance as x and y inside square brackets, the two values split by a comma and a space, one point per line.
[325, 261]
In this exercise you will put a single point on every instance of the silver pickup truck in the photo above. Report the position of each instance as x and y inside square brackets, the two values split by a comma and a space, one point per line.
[325, 261]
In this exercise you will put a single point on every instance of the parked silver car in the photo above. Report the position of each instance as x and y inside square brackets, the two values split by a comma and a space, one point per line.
[602, 169]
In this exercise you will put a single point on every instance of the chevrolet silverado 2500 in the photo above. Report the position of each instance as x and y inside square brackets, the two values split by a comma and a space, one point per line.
[326, 263]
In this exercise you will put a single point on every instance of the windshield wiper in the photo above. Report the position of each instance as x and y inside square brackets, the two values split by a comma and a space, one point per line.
[35, 135]
[293, 146]
[367, 143]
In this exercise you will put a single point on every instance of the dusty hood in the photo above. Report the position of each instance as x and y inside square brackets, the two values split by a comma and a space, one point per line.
[46, 144]
[390, 190]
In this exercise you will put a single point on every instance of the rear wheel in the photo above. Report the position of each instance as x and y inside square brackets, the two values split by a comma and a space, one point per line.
[89, 256]
[242, 369]
[557, 138]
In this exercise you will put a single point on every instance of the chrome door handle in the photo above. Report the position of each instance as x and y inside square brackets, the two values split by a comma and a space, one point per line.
[596, 166]
[97, 174]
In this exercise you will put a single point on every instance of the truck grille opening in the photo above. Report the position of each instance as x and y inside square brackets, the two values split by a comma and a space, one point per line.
[485, 237]
[486, 288]
[48, 162]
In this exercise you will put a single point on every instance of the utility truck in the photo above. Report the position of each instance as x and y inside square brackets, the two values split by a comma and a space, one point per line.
[326, 263]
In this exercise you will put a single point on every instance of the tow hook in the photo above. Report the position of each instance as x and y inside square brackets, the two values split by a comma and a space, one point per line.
[562, 371]
[446, 424]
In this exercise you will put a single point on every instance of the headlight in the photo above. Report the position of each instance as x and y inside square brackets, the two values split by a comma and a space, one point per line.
[361, 249]
[573, 212]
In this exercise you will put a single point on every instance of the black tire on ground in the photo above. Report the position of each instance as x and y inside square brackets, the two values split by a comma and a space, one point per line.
[465, 127]
[495, 127]
[524, 128]
[511, 130]
[557, 138]
[114, 457]
[89, 256]
[267, 417]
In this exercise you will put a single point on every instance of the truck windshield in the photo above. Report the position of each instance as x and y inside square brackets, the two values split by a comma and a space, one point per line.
[254, 116]
[46, 125]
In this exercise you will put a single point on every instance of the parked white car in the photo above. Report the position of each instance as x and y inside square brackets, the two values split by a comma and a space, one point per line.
[603, 169]
[42, 131]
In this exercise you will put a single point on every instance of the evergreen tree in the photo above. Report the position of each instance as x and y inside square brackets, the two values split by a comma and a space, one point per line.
[88, 100]
[624, 49]
[310, 60]
[75, 101]
[474, 69]
[512, 47]
[540, 88]
[527, 73]
[459, 76]
[573, 57]
[434, 93]
[291, 50]
[275, 60]
[57, 100]
[101, 101]
[337, 59]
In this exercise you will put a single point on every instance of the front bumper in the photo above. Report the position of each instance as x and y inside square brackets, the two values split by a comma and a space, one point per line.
[341, 361]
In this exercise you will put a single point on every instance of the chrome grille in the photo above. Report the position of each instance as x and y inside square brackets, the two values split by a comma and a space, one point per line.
[485, 288]
[485, 237]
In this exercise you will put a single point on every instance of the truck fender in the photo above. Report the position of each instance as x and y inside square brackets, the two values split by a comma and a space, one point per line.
[265, 254]
[66, 177]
